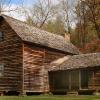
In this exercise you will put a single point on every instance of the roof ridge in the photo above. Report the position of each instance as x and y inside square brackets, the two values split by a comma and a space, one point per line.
[87, 54]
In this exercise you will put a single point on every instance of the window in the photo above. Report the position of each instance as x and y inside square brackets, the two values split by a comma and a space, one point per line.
[1, 69]
[1, 36]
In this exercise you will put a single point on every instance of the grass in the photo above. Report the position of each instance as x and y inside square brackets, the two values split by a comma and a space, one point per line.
[43, 97]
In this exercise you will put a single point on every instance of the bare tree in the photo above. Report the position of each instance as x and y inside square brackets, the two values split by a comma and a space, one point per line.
[68, 13]
[82, 21]
[65, 13]
[6, 6]
[41, 12]
[94, 10]
[3, 4]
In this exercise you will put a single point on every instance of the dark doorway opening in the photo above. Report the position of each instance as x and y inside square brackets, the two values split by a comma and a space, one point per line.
[84, 79]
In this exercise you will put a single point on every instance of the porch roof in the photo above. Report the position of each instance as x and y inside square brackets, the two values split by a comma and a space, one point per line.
[76, 62]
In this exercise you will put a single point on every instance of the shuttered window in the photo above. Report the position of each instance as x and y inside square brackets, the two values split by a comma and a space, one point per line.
[1, 69]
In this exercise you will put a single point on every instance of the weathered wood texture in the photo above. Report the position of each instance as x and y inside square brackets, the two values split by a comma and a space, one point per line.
[59, 81]
[33, 60]
[63, 81]
[94, 79]
[25, 64]
[75, 80]
[11, 57]
[35, 72]
[50, 56]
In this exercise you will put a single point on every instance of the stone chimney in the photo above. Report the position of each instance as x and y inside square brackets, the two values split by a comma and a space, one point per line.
[67, 37]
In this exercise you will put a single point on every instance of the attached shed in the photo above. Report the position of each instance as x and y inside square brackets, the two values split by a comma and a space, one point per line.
[24, 53]
[77, 73]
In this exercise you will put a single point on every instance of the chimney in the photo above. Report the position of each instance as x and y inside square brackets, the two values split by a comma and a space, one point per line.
[67, 37]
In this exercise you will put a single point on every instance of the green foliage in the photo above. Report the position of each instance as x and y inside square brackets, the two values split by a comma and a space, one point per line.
[55, 26]
[29, 21]
[88, 26]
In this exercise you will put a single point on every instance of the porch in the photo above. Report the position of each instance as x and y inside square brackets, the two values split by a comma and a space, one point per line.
[80, 80]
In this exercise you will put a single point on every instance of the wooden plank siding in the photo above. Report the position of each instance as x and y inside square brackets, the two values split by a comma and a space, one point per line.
[35, 71]
[33, 60]
[94, 79]
[11, 57]
[75, 80]
[63, 81]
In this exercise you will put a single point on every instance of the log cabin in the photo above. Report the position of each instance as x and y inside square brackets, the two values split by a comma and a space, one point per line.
[24, 53]
[78, 74]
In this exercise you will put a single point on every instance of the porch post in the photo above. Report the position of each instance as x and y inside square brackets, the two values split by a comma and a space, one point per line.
[93, 77]
[70, 80]
[80, 80]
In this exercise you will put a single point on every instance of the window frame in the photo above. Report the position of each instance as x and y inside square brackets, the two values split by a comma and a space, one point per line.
[1, 70]
[1, 36]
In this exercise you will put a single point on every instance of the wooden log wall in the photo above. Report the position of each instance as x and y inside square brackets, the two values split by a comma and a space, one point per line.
[11, 58]
[50, 55]
[94, 79]
[36, 59]
[33, 60]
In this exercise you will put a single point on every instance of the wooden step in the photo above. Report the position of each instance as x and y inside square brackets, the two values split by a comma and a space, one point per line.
[1, 93]
[72, 93]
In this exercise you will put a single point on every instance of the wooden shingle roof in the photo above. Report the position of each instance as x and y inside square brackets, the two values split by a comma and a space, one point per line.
[77, 61]
[41, 37]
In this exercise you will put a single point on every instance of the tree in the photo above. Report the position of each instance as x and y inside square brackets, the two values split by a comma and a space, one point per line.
[88, 20]
[88, 25]
[41, 12]
[82, 23]
[93, 12]
[6, 6]
[92, 46]
[55, 26]
[65, 13]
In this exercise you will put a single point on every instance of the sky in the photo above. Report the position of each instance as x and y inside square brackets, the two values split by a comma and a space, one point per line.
[27, 3]
[16, 3]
